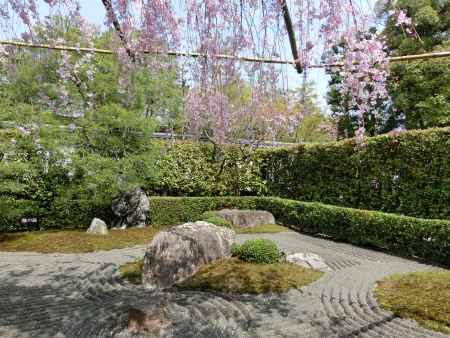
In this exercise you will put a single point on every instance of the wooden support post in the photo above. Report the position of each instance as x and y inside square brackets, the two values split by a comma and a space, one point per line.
[291, 34]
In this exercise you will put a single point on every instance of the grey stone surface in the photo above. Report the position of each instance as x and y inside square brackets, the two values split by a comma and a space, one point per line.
[131, 209]
[80, 295]
[177, 253]
[97, 227]
[308, 260]
[246, 218]
[150, 318]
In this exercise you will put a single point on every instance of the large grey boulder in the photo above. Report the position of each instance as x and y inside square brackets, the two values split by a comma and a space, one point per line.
[246, 218]
[97, 227]
[178, 253]
[131, 209]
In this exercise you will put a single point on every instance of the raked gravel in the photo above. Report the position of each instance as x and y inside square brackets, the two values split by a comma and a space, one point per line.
[81, 295]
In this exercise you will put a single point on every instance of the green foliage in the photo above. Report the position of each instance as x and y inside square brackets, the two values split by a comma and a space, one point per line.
[235, 249]
[311, 129]
[214, 218]
[405, 173]
[420, 90]
[409, 236]
[191, 209]
[205, 170]
[260, 251]
[115, 132]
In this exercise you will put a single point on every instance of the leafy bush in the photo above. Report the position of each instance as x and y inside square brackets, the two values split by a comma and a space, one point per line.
[204, 170]
[260, 250]
[212, 217]
[414, 237]
[235, 249]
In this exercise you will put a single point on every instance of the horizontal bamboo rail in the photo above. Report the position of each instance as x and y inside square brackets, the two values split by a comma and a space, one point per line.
[404, 58]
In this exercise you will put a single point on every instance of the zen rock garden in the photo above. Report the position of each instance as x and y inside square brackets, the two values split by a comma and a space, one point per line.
[198, 279]
[224, 169]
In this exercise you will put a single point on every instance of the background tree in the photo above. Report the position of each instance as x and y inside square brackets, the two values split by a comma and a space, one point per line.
[420, 90]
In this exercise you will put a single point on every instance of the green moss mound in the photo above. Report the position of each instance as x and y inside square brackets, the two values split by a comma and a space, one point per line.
[132, 272]
[422, 296]
[212, 217]
[235, 276]
[260, 250]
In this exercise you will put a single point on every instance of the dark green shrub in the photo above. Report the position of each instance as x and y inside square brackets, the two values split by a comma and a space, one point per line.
[260, 250]
[212, 217]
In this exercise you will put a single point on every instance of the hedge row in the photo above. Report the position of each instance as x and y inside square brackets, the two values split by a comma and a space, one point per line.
[406, 173]
[414, 237]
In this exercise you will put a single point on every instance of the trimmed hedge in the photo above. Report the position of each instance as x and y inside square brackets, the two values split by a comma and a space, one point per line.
[406, 173]
[415, 237]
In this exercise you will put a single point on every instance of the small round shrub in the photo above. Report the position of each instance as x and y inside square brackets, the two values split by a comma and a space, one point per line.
[259, 250]
[235, 249]
[212, 217]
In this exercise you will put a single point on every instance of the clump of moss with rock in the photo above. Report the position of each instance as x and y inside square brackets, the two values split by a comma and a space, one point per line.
[203, 256]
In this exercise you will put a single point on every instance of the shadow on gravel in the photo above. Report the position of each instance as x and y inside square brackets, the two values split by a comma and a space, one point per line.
[92, 304]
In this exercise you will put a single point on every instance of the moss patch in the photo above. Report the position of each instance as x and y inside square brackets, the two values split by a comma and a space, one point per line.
[269, 228]
[235, 276]
[74, 241]
[132, 272]
[422, 296]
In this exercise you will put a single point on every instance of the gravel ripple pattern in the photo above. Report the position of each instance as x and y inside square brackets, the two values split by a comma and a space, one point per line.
[81, 296]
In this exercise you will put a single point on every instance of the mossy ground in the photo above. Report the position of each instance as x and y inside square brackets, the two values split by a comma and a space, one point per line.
[78, 241]
[269, 228]
[235, 276]
[74, 241]
[132, 272]
[422, 296]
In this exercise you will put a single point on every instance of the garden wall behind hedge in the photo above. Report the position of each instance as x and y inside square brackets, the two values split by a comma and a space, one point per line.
[415, 237]
[406, 173]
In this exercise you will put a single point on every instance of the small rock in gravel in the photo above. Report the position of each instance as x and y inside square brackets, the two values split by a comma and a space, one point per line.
[97, 227]
[151, 318]
[308, 260]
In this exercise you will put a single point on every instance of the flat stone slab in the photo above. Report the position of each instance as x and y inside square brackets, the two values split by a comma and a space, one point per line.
[246, 218]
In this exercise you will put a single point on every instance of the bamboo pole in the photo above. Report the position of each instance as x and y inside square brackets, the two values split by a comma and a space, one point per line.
[172, 53]
[404, 58]
[291, 35]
